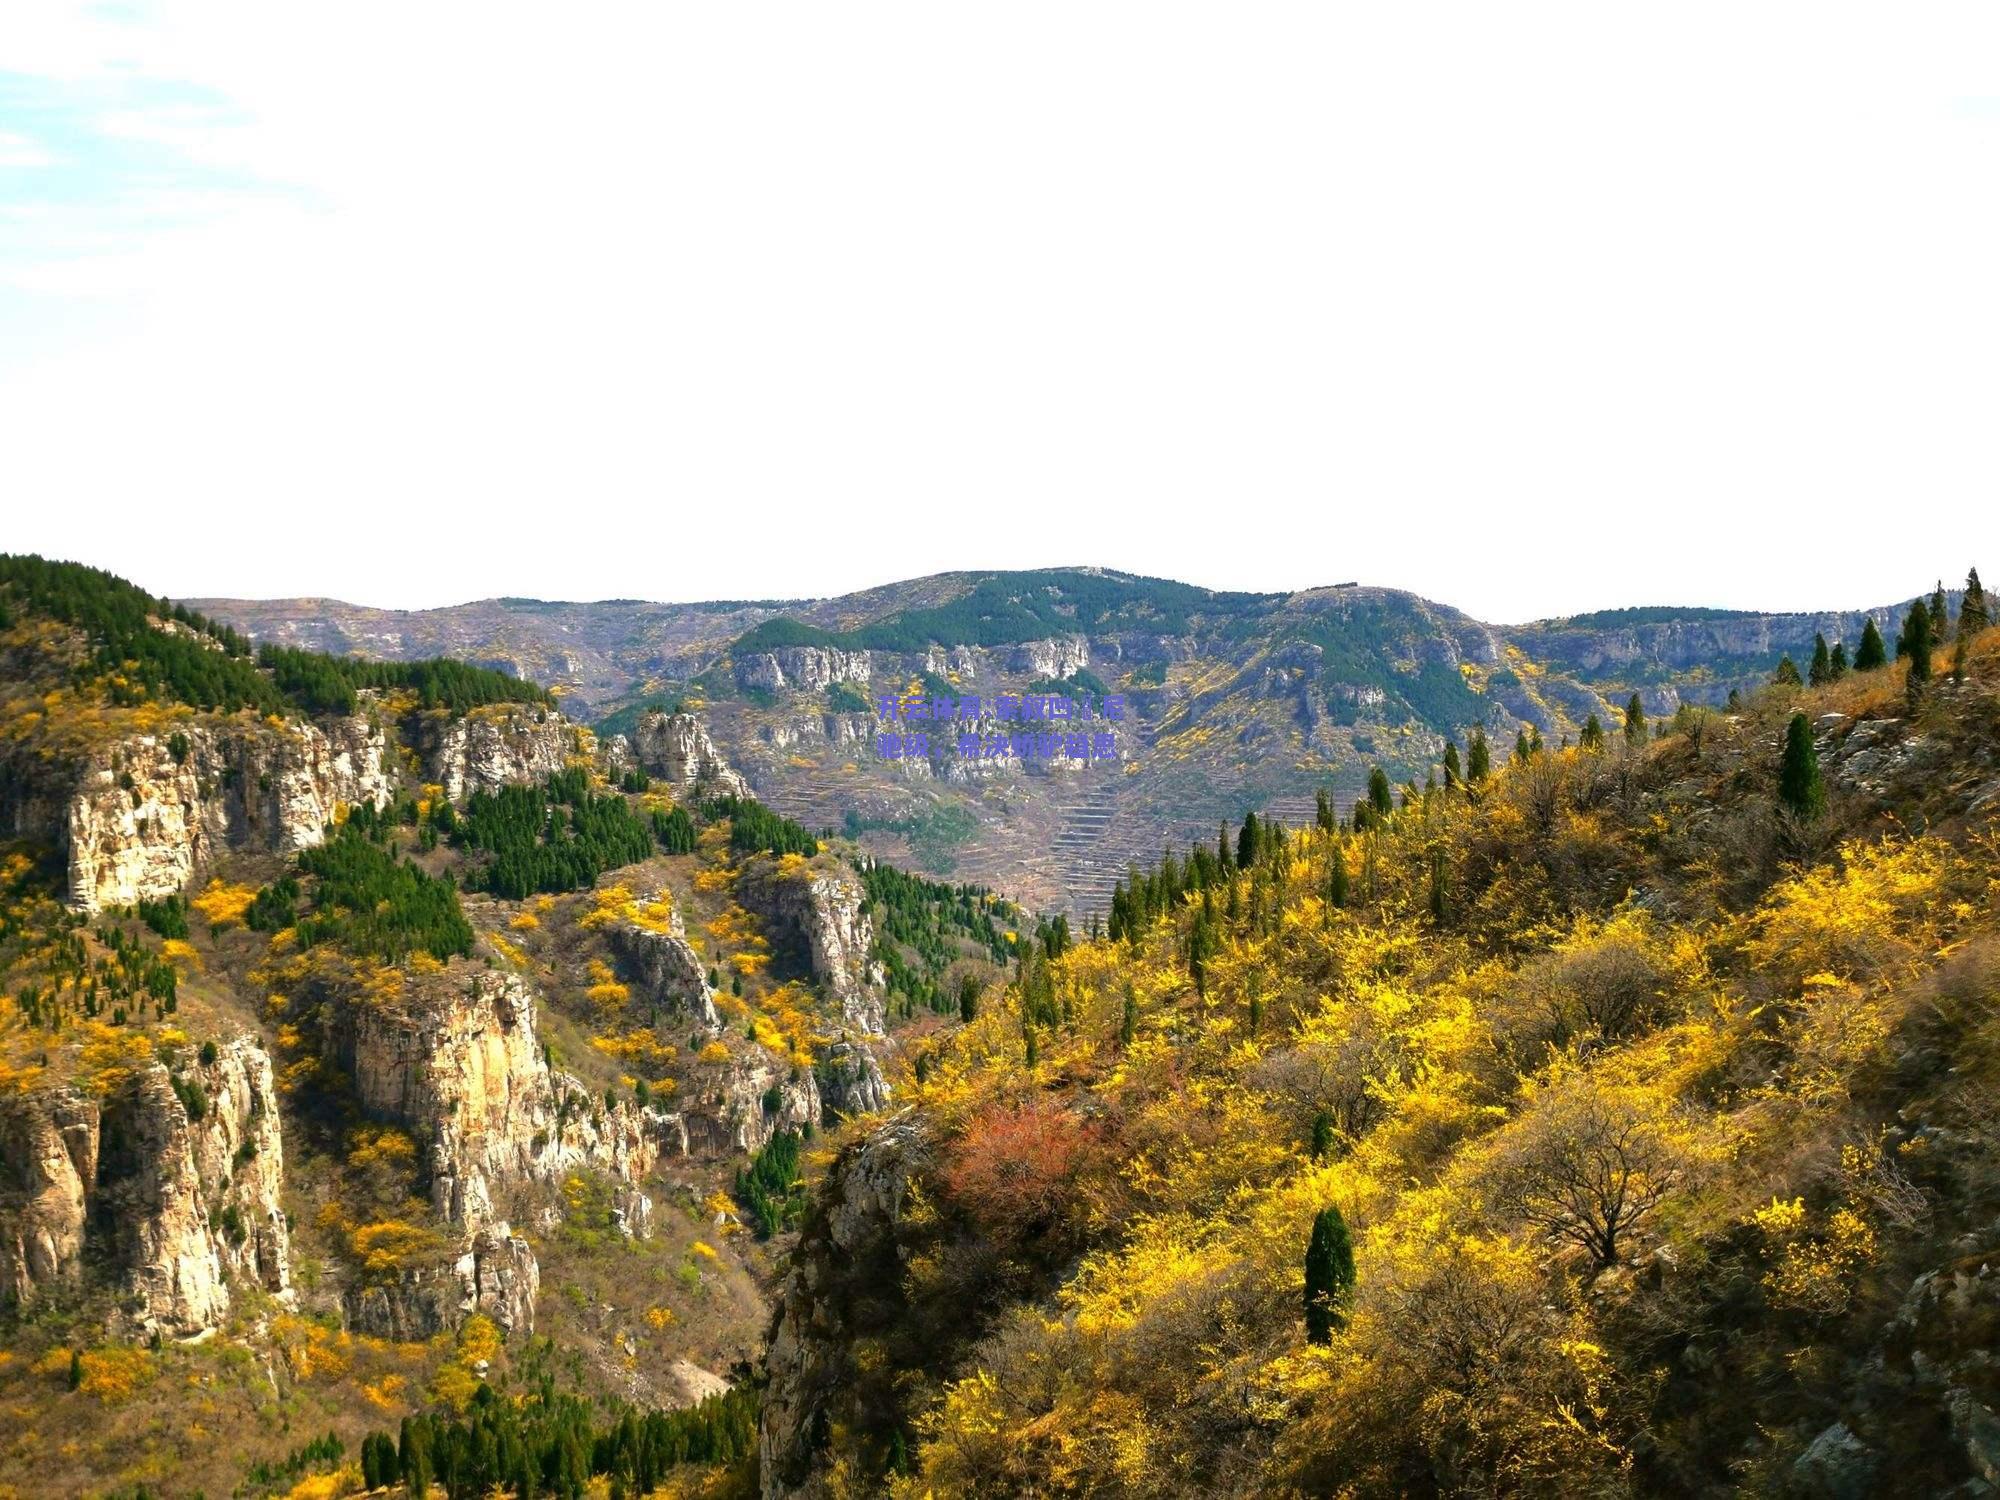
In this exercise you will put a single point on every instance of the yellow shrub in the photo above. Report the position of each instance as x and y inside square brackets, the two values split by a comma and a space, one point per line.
[115, 1374]
[223, 904]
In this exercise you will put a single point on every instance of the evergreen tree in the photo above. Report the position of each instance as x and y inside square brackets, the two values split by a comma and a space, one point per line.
[1799, 786]
[1452, 774]
[1871, 653]
[413, 1456]
[1128, 1025]
[75, 1369]
[1592, 737]
[1478, 759]
[1821, 670]
[1635, 722]
[968, 998]
[1440, 900]
[1322, 1137]
[1973, 615]
[1837, 663]
[1336, 880]
[1940, 624]
[1222, 854]
[1787, 674]
[1329, 1275]
[1522, 753]
[1378, 792]
[1323, 814]
[1917, 643]
[1246, 842]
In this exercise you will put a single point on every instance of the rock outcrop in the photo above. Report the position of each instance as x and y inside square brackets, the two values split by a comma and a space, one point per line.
[496, 1275]
[811, 668]
[171, 1181]
[1061, 657]
[456, 1061]
[499, 745]
[665, 971]
[739, 1107]
[675, 748]
[849, 1238]
[148, 813]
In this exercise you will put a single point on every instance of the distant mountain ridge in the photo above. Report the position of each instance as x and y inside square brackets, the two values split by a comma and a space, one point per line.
[1239, 700]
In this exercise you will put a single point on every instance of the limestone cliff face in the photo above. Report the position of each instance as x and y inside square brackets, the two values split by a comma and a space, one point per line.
[665, 971]
[823, 911]
[498, 745]
[171, 1181]
[740, 1107]
[676, 749]
[496, 1275]
[809, 667]
[148, 814]
[1059, 657]
[458, 1063]
[849, 1237]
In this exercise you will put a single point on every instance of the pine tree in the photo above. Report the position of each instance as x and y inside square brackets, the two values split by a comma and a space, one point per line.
[1837, 663]
[1246, 842]
[1378, 792]
[1128, 1025]
[1940, 624]
[1222, 854]
[1592, 737]
[1973, 615]
[1871, 653]
[1521, 751]
[1635, 722]
[1440, 900]
[1478, 759]
[968, 998]
[1329, 1275]
[1322, 1138]
[1787, 674]
[1821, 670]
[1799, 786]
[1336, 880]
[1452, 775]
[1917, 643]
[1323, 811]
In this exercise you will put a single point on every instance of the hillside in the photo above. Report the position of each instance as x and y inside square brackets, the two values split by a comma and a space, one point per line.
[1607, 1120]
[1236, 701]
[373, 1038]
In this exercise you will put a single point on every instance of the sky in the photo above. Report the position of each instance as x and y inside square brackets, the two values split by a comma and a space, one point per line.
[1533, 309]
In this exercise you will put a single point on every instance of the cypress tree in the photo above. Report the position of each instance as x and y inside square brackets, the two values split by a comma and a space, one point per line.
[1635, 722]
[1917, 642]
[1973, 615]
[1837, 663]
[1378, 792]
[1246, 842]
[1329, 1275]
[1323, 811]
[1452, 775]
[968, 999]
[1799, 786]
[1222, 856]
[1440, 895]
[1336, 880]
[1787, 674]
[1478, 758]
[1871, 653]
[1592, 737]
[1821, 670]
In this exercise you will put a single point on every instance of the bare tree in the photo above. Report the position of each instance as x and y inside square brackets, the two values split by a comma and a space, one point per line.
[1586, 1164]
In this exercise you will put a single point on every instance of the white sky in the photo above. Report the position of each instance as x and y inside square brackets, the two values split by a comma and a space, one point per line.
[1533, 309]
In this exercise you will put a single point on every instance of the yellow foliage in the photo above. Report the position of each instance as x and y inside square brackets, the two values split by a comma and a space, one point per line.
[524, 921]
[223, 904]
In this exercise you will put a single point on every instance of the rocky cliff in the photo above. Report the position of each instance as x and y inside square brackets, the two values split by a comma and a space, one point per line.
[170, 1181]
[500, 745]
[849, 1240]
[456, 1060]
[675, 748]
[665, 971]
[146, 815]
[821, 913]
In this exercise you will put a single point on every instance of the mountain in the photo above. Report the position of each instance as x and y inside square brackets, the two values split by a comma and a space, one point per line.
[1236, 701]
[373, 1038]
